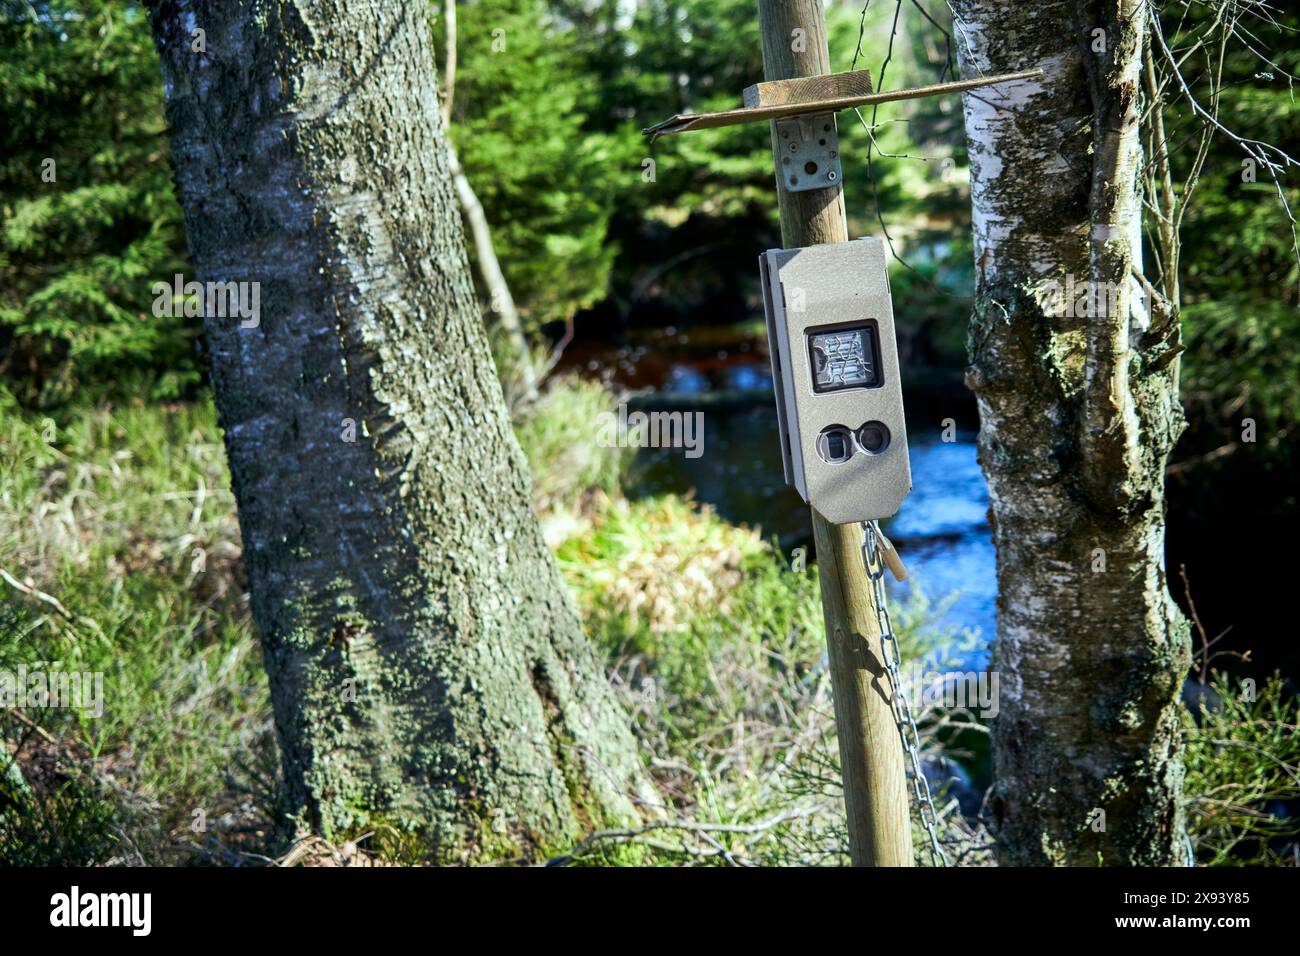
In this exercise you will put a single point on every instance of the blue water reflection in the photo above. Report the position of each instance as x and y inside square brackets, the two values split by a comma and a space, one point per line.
[942, 529]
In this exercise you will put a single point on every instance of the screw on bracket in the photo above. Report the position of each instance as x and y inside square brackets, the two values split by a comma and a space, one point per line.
[815, 139]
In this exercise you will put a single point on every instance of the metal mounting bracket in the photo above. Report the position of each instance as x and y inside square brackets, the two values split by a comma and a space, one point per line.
[809, 150]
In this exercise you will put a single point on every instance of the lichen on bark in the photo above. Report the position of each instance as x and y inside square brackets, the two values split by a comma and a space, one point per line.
[405, 598]
[1078, 413]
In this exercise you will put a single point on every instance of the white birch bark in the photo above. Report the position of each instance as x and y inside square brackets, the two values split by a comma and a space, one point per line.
[1078, 411]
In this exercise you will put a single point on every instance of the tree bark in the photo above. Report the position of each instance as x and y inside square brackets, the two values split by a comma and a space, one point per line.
[1078, 412]
[427, 667]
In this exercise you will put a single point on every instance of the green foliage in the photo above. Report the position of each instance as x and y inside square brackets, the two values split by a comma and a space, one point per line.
[719, 643]
[82, 240]
[560, 437]
[1240, 280]
[714, 640]
[664, 582]
[677, 234]
[549, 104]
[1243, 776]
[1242, 363]
[681, 199]
[79, 84]
[547, 183]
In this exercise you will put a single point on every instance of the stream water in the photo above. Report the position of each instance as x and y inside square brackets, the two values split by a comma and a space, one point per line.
[941, 531]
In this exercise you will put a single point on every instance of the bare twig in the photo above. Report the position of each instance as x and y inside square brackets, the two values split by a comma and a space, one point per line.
[1274, 159]
[874, 125]
[49, 599]
[631, 834]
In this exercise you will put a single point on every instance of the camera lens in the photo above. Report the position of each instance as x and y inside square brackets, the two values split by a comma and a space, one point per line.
[873, 437]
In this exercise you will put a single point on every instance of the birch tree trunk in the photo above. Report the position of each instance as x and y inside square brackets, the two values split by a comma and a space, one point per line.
[427, 668]
[1074, 369]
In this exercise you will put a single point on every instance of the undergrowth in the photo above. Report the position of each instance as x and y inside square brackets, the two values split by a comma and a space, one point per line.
[120, 557]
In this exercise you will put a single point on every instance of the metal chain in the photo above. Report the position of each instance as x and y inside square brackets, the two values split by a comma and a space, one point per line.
[875, 568]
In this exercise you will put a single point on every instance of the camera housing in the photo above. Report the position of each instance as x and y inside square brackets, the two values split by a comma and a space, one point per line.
[839, 400]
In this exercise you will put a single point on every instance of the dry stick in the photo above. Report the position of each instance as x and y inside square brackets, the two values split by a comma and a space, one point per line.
[1196, 619]
[49, 599]
[688, 826]
[226, 855]
[557, 351]
[44, 734]
[871, 756]
[83, 621]
[1206, 641]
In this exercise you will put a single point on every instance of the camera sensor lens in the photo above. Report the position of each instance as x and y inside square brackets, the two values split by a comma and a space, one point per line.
[873, 437]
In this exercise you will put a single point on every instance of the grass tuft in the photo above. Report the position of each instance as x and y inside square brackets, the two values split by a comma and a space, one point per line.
[123, 517]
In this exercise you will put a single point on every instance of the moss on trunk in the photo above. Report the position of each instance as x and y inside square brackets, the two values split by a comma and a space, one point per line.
[405, 598]
[1078, 412]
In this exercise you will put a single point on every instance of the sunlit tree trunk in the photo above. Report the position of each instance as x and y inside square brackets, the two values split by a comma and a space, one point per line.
[1078, 412]
[427, 667]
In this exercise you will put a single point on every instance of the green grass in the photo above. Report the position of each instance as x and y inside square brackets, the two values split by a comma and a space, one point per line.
[559, 437]
[718, 648]
[1243, 762]
[118, 529]
[125, 518]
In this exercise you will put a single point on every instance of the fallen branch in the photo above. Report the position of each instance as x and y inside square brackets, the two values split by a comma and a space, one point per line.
[630, 834]
[73, 619]
[49, 599]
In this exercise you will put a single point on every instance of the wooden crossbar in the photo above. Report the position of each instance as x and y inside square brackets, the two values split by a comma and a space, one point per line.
[684, 122]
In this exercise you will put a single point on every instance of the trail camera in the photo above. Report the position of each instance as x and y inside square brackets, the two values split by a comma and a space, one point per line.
[830, 324]
[839, 401]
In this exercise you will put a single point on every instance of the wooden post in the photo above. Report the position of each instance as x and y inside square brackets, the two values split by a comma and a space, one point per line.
[871, 756]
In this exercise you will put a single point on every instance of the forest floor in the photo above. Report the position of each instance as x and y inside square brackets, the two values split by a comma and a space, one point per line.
[120, 557]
